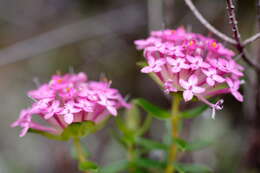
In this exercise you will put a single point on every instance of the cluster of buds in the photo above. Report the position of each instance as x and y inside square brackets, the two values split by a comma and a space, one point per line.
[67, 99]
[193, 64]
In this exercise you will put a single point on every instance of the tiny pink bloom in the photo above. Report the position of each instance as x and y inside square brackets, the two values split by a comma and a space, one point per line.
[85, 105]
[168, 87]
[190, 87]
[53, 109]
[40, 106]
[68, 111]
[23, 121]
[197, 62]
[234, 87]
[213, 77]
[58, 82]
[43, 92]
[110, 105]
[177, 51]
[68, 93]
[177, 64]
[153, 65]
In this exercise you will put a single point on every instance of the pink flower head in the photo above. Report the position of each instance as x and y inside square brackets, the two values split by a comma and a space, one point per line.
[193, 64]
[67, 99]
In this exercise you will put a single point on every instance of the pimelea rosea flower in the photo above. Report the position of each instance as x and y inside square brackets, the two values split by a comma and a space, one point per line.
[193, 64]
[67, 99]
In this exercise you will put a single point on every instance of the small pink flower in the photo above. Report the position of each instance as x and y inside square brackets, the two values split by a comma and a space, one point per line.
[69, 110]
[43, 92]
[177, 64]
[153, 65]
[109, 104]
[234, 86]
[197, 62]
[53, 109]
[177, 51]
[190, 87]
[213, 77]
[169, 87]
[85, 105]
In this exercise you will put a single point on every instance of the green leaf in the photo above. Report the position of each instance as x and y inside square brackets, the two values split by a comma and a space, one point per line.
[149, 163]
[119, 138]
[153, 110]
[79, 130]
[87, 165]
[128, 135]
[115, 167]
[145, 126]
[191, 168]
[132, 117]
[190, 146]
[194, 112]
[150, 144]
[73, 130]
[47, 135]
[198, 145]
[182, 144]
[141, 64]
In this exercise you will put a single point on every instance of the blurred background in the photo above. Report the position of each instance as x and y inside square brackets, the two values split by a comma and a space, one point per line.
[40, 37]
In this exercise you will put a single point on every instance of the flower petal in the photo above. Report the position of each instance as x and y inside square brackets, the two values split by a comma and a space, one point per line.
[187, 95]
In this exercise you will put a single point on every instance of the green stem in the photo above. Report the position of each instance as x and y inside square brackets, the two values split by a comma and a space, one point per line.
[175, 123]
[131, 157]
[80, 152]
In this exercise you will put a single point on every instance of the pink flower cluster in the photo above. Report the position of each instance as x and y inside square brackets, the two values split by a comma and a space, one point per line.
[194, 64]
[67, 99]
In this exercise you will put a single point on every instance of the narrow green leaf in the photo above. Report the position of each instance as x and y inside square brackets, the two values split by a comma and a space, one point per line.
[145, 126]
[192, 168]
[153, 110]
[79, 129]
[47, 135]
[198, 145]
[87, 165]
[121, 125]
[149, 163]
[150, 144]
[191, 146]
[132, 117]
[182, 144]
[194, 112]
[119, 138]
[115, 167]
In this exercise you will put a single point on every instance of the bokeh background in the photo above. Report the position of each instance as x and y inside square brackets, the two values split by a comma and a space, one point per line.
[40, 37]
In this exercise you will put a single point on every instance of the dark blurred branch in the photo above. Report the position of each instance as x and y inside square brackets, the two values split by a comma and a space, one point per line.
[204, 22]
[83, 29]
[251, 39]
[258, 13]
[168, 13]
[253, 153]
[236, 35]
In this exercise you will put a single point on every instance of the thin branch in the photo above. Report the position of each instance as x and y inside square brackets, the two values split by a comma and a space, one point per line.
[236, 34]
[251, 39]
[233, 22]
[204, 22]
